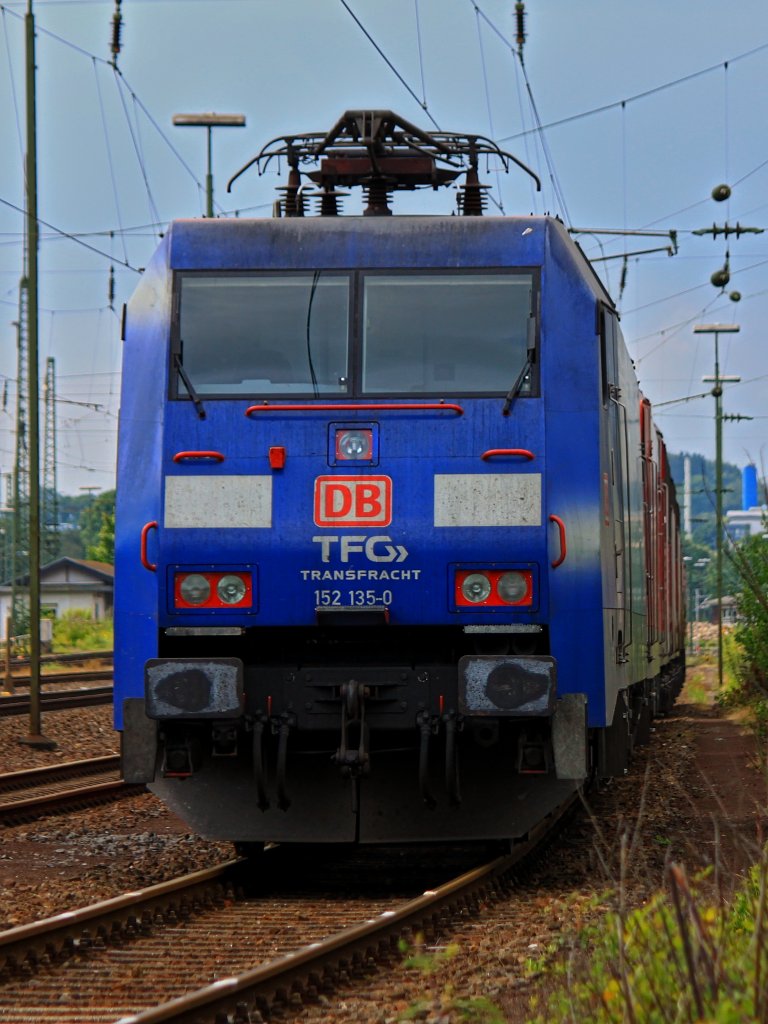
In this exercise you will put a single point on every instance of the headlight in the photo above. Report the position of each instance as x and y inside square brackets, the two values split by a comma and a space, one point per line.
[512, 587]
[206, 591]
[476, 587]
[354, 445]
[494, 588]
[195, 589]
[231, 589]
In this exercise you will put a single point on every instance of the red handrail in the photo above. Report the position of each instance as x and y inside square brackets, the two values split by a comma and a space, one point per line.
[493, 453]
[152, 566]
[359, 407]
[563, 545]
[190, 456]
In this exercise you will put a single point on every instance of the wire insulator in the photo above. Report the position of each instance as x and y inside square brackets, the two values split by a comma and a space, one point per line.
[111, 288]
[520, 17]
[117, 28]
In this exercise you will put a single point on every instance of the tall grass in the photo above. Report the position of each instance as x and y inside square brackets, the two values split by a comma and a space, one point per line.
[77, 630]
[683, 957]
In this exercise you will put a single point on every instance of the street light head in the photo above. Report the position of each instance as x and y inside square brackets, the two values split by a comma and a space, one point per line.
[716, 328]
[209, 120]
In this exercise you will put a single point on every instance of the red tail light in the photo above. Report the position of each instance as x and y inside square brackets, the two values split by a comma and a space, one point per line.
[212, 590]
[493, 588]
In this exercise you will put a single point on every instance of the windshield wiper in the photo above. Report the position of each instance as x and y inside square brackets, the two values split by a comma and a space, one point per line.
[530, 358]
[517, 387]
[189, 385]
[313, 375]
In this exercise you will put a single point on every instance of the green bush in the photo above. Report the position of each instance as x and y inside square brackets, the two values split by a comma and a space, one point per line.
[77, 630]
[677, 959]
[748, 658]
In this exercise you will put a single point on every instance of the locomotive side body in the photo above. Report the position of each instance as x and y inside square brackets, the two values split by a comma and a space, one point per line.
[391, 523]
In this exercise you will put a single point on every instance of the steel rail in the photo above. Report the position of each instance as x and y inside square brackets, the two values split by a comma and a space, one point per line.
[18, 703]
[91, 676]
[26, 944]
[73, 656]
[17, 811]
[10, 781]
[87, 786]
[273, 982]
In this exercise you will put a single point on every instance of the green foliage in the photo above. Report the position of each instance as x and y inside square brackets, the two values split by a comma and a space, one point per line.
[677, 959]
[77, 630]
[97, 528]
[748, 660]
[104, 549]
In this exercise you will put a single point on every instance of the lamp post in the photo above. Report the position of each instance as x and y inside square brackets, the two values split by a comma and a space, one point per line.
[717, 391]
[689, 602]
[209, 122]
[701, 564]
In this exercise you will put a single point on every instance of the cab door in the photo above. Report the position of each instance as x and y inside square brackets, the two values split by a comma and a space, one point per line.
[615, 479]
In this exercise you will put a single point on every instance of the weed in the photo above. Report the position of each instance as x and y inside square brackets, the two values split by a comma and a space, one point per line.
[440, 1001]
[677, 959]
[77, 630]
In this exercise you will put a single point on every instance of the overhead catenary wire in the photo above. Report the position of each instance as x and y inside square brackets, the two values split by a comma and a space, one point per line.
[539, 129]
[110, 162]
[388, 62]
[421, 55]
[640, 95]
[489, 108]
[153, 211]
[17, 112]
[73, 238]
[422, 20]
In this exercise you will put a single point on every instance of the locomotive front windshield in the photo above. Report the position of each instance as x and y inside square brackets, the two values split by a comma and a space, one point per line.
[296, 334]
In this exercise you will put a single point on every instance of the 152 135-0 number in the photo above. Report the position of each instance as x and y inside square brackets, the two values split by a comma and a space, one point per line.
[352, 598]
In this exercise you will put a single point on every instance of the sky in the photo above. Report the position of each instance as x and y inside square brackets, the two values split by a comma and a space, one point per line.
[630, 112]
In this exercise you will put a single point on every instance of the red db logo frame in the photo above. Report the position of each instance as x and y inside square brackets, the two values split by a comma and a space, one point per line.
[353, 501]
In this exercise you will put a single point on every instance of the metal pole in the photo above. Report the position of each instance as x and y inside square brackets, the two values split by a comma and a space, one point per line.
[8, 655]
[35, 737]
[209, 178]
[209, 121]
[717, 391]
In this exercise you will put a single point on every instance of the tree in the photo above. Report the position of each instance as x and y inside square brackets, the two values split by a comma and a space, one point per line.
[97, 528]
[751, 560]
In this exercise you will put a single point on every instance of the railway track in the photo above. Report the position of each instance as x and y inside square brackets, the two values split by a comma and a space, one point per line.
[102, 672]
[89, 696]
[53, 789]
[206, 953]
[80, 676]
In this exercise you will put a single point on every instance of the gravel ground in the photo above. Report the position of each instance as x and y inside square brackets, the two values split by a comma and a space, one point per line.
[77, 732]
[700, 767]
[67, 861]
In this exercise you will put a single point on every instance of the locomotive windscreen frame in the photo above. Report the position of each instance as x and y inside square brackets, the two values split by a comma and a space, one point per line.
[372, 333]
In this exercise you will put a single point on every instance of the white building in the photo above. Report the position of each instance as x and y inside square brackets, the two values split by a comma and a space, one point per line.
[67, 584]
[742, 523]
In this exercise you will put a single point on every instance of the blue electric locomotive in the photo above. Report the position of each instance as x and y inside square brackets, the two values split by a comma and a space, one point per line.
[397, 548]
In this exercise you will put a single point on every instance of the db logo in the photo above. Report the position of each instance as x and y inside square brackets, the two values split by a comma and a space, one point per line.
[353, 501]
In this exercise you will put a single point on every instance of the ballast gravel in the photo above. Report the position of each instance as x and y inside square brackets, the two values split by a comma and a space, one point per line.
[699, 767]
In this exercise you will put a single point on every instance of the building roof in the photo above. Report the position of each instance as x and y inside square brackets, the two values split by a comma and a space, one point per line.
[99, 572]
